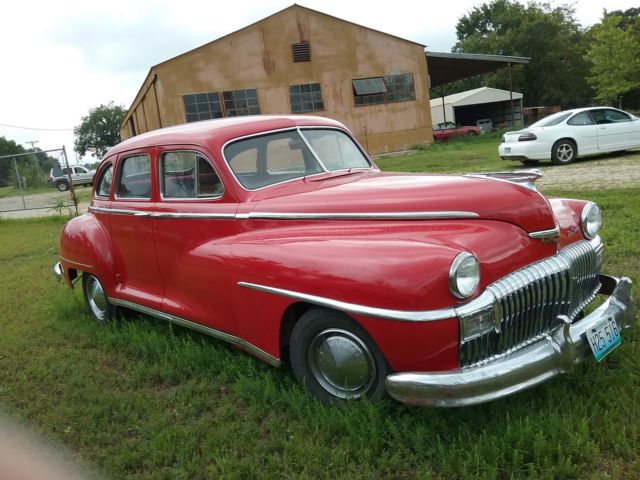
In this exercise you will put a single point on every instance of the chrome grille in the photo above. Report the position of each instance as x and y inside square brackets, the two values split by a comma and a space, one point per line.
[528, 301]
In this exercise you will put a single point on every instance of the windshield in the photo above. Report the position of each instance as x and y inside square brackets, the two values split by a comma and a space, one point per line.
[276, 157]
[551, 120]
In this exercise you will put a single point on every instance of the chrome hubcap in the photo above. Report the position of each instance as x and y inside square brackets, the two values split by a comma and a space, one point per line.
[565, 152]
[341, 363]
[96, 298]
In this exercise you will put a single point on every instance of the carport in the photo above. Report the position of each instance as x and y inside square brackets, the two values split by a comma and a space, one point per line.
[445, 68]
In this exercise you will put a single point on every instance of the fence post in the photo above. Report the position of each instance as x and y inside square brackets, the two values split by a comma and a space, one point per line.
[19, 182]
[74, 199]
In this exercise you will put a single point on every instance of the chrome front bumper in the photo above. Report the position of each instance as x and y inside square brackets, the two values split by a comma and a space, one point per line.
[556, 353]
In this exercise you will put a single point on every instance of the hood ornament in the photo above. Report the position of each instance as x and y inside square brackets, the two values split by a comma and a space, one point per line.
[526, 178]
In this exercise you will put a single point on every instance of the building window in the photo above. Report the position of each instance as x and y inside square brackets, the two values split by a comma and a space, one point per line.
[233, 103]
[301, 52]
[241, 102]
[202, 106]
[389, 89]
[306, 98]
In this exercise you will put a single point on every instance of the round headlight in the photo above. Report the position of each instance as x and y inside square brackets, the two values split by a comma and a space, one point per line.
[591, 220]
[464, 275]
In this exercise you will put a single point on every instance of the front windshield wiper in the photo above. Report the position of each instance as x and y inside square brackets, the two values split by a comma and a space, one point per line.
[336, 173]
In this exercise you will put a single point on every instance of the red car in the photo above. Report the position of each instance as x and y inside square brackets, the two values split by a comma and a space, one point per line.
[445, 131]
[280, 235]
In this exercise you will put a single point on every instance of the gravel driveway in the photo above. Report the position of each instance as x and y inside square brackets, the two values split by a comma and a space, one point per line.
[594, 174]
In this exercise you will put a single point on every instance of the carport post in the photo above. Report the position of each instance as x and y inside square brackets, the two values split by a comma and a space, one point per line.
[444, 110]
[510, 92]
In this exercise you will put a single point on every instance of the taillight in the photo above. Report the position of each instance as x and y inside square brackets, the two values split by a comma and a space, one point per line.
[527, 137]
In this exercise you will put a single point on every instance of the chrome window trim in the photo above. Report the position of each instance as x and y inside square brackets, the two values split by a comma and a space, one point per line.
[119, 179]
[401, 315]
[97, 184]
[227, 337]
[372, 167]
[189, 199]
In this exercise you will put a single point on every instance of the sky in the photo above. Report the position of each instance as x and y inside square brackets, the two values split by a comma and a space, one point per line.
[61, 58]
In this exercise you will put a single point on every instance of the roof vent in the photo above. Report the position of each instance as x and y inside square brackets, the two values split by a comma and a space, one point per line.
[301, 52]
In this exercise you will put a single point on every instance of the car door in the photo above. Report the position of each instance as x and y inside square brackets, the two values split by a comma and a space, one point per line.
[81, 176]
[616, 129]
[193, 224]
[584, 131]
[138, 278]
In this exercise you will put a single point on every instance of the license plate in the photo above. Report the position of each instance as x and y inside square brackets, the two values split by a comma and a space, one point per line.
[603, 337]
[507, 150]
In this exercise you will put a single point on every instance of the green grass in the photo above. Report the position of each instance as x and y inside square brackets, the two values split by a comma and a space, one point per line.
[141, 399]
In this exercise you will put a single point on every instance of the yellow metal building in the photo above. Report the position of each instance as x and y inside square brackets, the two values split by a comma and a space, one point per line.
[296, 61]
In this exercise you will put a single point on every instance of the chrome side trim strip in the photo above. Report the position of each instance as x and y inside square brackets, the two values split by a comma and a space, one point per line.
[200, 328]
[407, 316]
[293, 215]
[362, 216]
[119, 211]
[215, 216]
[68, 260]
[547, 235]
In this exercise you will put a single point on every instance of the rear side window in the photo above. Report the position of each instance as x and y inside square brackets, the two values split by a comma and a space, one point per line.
[582, 118]
[104, 185]
[135, 177]
[188, 175]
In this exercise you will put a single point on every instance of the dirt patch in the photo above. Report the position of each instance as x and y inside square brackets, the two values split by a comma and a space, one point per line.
[594, 174]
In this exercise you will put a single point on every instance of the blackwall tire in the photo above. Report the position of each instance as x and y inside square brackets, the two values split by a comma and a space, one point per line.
[336, 359]
[95, 299]
[62, 186]
[563, 152]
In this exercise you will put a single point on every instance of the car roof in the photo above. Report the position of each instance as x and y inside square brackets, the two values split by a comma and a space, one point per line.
[220, 130]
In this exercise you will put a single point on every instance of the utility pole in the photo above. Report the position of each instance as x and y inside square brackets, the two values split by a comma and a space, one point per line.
[33, 142]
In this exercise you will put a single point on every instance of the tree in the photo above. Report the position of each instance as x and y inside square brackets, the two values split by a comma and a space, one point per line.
[550, 36]
[100, 130]
[615, 59]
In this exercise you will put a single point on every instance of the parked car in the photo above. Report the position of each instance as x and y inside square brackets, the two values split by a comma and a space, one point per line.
[445, 131]
[567, 135]
[279, 235]
[59, 177]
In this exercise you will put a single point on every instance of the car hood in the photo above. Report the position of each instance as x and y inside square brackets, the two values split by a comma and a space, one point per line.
[387, 196]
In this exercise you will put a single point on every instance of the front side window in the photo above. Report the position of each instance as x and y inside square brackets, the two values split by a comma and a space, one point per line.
[135, 178]
[188, 175]
[277, 157]
[387, 89]
[104, 185]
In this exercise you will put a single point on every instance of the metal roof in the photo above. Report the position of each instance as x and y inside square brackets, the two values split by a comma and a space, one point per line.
[448, 67]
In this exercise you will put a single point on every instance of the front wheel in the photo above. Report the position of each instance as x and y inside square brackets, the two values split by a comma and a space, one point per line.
[95, 299]
[563, 152]
[335, 358]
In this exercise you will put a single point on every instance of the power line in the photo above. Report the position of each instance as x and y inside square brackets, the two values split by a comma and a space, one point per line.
[40, 129]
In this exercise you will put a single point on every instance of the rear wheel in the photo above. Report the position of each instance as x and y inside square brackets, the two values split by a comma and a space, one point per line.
[62, 186]
[96, 299]
[563, 152]
[335, 358]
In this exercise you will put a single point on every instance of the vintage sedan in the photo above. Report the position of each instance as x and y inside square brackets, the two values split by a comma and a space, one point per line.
[445, 131]
[280, 235]
[567, 135]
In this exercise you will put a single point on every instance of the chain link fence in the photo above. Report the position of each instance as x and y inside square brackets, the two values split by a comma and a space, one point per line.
[38, 180]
